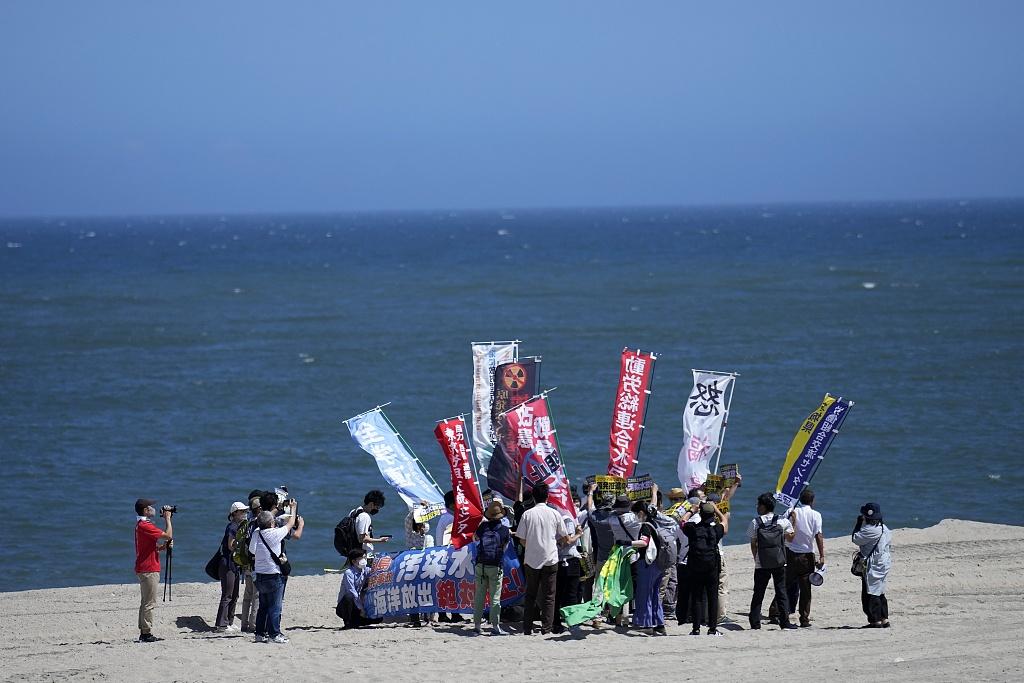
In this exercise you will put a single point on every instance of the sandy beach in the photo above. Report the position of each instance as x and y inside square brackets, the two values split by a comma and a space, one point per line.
[955, 598]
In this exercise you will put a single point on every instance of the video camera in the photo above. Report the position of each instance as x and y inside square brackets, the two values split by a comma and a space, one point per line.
[169, 508]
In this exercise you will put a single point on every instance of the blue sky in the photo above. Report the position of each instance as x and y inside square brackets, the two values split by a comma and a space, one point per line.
[188, 107]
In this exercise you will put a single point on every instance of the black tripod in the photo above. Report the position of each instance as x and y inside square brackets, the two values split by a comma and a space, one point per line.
[169, 571]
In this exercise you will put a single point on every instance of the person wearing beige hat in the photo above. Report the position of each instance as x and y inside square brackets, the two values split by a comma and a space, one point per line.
[228, 571]
[492, 537]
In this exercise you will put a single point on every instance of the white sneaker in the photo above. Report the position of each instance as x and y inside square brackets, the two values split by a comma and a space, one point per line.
[279, 639]
[231, 627]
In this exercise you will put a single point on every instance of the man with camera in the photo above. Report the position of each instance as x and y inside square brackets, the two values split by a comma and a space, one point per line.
[149, 541]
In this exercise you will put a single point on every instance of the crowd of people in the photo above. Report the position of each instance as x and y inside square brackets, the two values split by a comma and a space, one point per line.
[674, 541]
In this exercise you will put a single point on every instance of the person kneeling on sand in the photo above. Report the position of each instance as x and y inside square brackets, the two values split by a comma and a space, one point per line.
[350, 598]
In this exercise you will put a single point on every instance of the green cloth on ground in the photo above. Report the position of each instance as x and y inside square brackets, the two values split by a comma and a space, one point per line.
[613, 587]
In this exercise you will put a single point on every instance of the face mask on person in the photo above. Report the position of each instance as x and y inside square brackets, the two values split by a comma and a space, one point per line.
[374, 511]
[361, 563]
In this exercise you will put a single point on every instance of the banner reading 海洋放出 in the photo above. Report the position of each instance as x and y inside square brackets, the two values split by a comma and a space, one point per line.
[486, 357]
[434, 580]
[809, 446]
[636, 370]
[399, 466]
[451, 435]
[531, 434]
[704, 418]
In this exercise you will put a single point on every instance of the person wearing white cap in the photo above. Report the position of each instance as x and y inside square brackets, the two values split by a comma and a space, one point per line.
[228, 570]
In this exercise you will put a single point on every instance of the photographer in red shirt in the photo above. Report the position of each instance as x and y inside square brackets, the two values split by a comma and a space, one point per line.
[148, 545]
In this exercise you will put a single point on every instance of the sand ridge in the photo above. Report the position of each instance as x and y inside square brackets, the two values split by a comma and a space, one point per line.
[955, 598]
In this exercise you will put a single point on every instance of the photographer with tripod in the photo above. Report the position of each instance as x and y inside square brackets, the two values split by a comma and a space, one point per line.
[149, 541]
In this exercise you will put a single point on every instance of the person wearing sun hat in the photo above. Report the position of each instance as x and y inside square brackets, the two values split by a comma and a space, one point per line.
[874, 541]
[228, 571]
[492, 537]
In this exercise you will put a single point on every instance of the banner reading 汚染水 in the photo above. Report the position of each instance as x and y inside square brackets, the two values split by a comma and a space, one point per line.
[635, 373]
[704, 418]
[398, 465]
[531, 434]
[451, 435]
[434, 580]
[809, 446]
[486, 357]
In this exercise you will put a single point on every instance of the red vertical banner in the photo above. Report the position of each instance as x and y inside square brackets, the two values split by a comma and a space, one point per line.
[635, 374]
[451, 435]
[531, 430]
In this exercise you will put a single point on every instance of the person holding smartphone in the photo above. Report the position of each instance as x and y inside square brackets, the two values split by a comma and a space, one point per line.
[373, 501]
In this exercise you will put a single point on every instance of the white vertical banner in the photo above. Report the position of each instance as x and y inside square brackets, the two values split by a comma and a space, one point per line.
[705, 416]
[486, 357]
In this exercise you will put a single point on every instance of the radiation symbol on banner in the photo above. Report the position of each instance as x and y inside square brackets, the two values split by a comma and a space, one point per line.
[514, 377]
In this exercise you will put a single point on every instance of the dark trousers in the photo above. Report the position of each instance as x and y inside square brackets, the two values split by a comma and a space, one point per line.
[761, 578]
[350, 614]
[567, 588]
[799, 567]
[704, 598]
[540, 587]
[876, 607]
[228, 573]
[682, 593]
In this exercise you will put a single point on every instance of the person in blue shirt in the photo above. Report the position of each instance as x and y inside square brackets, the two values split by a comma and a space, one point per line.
[350, 598]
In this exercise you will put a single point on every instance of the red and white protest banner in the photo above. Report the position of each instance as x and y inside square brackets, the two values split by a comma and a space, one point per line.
[529, 426]
[451, 435]
[635, 374]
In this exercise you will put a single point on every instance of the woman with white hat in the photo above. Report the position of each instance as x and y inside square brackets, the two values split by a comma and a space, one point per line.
[228, 570]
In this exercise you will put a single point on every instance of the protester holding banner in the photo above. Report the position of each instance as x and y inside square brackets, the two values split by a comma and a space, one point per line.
[599, 522]
[874, 541]
[649, 614]
[540, 530]
[704, 564]
[350, 598]
[492, 538]
[800, 562]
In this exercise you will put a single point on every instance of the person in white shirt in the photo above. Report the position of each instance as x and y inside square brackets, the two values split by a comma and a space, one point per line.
[265, 545]
[540, 530]
[373, 501]
[800, 562]
[769, 559]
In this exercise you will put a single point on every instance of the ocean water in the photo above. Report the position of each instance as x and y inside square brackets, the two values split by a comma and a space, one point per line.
[192, 359]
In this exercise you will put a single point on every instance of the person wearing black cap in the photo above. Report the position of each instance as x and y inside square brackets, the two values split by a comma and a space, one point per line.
[874, 540]
[149, 541]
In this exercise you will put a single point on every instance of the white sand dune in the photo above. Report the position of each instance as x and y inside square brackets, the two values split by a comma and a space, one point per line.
[956, 599]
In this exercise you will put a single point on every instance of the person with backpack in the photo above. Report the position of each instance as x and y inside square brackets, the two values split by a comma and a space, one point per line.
[703, 563]
[492, 538]
[244, 559]
[649, 614]
[768, 533]
[355, 530]
[228, 571]
[874, 545]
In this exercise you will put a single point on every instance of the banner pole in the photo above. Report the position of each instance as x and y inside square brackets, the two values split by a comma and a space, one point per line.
[647, 405]
[725, 422]
[554, 432]
[409, 448]
[367, 412]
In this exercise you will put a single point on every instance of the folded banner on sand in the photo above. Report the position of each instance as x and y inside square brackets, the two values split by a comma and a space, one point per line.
[451, 435]
[704, 418]
[809, 446]
[612, 587]
[433, 580]
[531, 434]
[635, 373]
[397, 463]
[486, 357]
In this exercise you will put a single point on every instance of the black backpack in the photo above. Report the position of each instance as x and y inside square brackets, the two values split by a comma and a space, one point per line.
[703, 553]
[663, 560]
[667, 543]
[345, 537]
[771, 553]
[601, 533]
